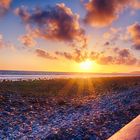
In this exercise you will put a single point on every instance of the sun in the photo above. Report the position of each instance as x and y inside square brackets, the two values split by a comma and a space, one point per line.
[86, 65]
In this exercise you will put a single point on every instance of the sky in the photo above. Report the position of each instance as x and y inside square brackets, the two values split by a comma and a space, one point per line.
[101, 36]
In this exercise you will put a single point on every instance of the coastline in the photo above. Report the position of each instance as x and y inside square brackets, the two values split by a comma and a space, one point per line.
[44, 75]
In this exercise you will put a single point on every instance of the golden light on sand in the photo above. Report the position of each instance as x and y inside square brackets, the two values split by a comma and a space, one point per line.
[86, 65]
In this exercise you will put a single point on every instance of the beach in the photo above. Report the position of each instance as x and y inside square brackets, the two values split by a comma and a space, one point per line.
[73, 108]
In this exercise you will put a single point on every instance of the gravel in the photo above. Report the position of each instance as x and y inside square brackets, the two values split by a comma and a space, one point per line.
[58, 118]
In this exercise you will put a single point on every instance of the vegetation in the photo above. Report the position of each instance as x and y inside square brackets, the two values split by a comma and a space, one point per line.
[69, 87]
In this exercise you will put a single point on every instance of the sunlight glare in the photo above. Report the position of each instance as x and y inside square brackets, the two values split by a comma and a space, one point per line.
[86, 65]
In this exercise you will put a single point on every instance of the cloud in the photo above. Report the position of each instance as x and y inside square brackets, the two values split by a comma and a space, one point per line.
[23, 13]
[102, 13]
[110, 60]
[117, 56]
[4, 6]
[6, 44]
[80, 55]
[136, 4]
[94, 55]
[105, 60]
[77, 55]
[121, 52]
[57, 23]
[44, 54]
[64, 54]
[107, 43]
[114, 35]
[1, 41]
[134, 31]
[27, 40]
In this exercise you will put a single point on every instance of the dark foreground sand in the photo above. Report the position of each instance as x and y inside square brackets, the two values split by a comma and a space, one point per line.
[96, 115]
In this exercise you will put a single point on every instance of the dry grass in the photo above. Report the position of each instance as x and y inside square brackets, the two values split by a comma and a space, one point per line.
[69, 87]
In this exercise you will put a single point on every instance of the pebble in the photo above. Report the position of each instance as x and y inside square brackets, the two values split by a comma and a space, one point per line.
[86, 118]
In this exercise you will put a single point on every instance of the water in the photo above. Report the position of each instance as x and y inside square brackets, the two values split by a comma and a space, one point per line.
[26, 75]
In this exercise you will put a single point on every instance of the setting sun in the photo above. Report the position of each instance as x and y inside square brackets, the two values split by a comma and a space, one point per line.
[86, 65]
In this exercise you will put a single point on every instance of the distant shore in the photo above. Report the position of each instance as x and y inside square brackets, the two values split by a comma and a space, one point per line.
[36, 75]
[74, 108]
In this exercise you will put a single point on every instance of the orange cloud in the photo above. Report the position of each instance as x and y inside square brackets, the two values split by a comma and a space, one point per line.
[102, 13]
[134, 31]
[4, 6]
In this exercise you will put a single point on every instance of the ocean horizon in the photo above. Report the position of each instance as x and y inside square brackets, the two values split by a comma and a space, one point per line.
[31, 75]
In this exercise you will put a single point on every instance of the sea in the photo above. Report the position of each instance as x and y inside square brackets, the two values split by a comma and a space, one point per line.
[32, 75]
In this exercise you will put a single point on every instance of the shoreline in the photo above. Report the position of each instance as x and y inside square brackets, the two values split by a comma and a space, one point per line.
[36, 75]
